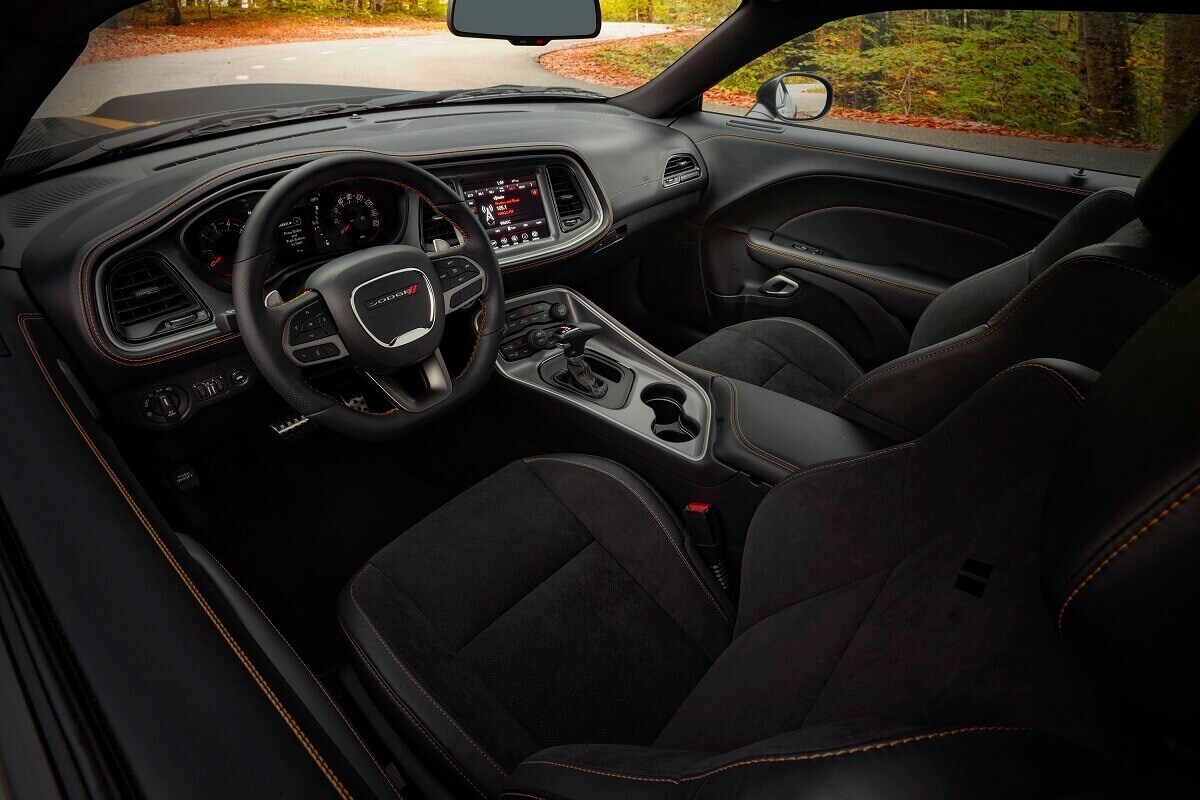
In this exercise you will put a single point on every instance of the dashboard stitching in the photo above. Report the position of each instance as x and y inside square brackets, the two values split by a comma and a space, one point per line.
[902, 162]
[86, 271]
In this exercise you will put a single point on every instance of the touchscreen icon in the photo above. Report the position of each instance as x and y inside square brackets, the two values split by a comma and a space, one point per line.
[489, 215]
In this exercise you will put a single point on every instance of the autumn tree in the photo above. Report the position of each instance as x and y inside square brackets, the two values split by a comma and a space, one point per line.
[1181, 70]
[1108, 80]
[172, 14]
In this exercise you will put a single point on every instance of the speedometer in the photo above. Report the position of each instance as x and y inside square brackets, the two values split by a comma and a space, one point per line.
[356, 217]
[218, 241]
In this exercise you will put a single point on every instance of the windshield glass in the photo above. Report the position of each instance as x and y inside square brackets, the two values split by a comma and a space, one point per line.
[171, 59]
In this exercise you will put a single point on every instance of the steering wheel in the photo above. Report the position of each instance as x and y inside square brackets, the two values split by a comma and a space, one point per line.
[383, 308]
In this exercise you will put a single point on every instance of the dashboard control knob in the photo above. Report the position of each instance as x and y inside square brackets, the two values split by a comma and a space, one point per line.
[558, 311]
[538, 339]
[165, 405]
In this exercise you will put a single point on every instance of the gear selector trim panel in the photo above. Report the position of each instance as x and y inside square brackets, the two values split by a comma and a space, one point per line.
[526, 360]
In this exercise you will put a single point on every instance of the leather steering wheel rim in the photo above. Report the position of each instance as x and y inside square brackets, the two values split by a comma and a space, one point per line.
[263, 328]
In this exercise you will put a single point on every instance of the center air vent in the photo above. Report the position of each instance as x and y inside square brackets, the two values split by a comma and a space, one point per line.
[434, 225]
[680, 168]
[148, 300]
[568, 199]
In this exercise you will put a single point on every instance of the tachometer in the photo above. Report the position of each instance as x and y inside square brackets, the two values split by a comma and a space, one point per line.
[218, 241]
[356, 217]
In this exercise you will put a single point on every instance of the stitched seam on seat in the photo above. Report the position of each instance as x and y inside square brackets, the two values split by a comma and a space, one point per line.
[525, 596]
[1061, 269]
[1183, 498]
[737, 431]
[949, 291]
[886, 212]
[743, 331]
[617, 561]
[853, 634]
[182, 574]
[666, 533]
[337, 709]
[843, 462]
[416, 682]
[820, 334]
[795, 757]
[823, 265]
[408, 713]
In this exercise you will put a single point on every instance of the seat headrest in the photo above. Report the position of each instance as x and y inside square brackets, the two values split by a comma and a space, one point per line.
[1121, 558]
[1166, 197]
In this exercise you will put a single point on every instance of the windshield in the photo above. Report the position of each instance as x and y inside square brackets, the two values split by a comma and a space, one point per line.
[173, 59]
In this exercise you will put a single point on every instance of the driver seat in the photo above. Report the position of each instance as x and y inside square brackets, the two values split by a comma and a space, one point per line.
[901, 622]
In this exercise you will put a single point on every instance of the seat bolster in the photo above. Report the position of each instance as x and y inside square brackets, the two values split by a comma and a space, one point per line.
[440, 706]
[784, 355]
[311, 697]
[865, 758]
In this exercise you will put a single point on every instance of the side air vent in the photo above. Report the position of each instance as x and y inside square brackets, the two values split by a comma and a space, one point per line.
[568, 199]
[680, 168]
[434, 225]
[148, 300]
[30, 206]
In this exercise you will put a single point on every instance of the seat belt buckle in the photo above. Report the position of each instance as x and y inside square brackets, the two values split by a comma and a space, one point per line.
[703, 528]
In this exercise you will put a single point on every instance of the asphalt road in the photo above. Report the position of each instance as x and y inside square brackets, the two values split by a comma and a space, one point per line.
[439, 61]
[444, 61]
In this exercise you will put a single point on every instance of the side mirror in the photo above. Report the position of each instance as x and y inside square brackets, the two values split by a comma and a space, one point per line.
[524, 22]
[793, 97]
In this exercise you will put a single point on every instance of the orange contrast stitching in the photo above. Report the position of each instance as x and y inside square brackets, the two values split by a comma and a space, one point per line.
[798, 756]
[245, 661]
[823, 265]
[1061, 269]
[895, 214]
[737, 431]
[1183, 498]
[449, 717]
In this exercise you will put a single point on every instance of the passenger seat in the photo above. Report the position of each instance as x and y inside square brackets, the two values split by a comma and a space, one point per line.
[1100, 273]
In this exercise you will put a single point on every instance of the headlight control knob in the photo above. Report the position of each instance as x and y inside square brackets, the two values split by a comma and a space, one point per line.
[165, 405]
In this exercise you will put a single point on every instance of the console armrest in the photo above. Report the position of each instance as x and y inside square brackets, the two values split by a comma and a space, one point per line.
[769, 435]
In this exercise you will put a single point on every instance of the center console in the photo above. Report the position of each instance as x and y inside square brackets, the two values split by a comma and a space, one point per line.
[697, 425]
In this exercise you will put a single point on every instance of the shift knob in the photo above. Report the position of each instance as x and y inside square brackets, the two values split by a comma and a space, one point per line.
[573, 338]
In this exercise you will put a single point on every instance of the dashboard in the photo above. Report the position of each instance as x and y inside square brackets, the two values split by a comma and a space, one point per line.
[130, 260]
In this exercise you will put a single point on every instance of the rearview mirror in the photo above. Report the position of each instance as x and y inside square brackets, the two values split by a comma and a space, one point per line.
[793, 97]
[524, 22]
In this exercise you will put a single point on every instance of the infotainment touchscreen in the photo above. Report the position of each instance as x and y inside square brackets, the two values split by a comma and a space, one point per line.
[511, 209]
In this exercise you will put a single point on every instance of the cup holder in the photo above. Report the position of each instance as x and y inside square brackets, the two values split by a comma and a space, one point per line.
[670, 423]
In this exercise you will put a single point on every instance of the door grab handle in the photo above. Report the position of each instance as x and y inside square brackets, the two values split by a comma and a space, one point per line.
[779, 286]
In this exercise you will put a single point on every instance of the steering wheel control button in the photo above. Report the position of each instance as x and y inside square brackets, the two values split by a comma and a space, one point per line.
[311, 323]
[165, 405]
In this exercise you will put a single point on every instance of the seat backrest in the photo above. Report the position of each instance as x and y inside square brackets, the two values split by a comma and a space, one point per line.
[972, 301]
[1122, 521]
[1082, 307]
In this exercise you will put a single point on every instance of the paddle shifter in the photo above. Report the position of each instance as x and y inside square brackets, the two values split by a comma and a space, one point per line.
[572, 339]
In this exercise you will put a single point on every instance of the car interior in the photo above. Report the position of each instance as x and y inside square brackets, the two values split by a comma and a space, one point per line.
[571, 447]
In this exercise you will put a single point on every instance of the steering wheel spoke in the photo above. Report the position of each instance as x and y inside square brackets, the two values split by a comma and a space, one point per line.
[428, 383]
[462, 281]
[308, 333]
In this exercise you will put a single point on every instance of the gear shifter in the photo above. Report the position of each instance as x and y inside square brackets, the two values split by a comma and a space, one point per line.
[572, 339]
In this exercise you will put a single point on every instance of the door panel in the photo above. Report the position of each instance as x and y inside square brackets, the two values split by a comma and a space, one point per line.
[887, 225]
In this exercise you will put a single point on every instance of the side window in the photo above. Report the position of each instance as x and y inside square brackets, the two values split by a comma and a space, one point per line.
[1082, 89]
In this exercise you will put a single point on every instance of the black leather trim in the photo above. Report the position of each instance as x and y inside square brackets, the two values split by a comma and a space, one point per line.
[769, 435]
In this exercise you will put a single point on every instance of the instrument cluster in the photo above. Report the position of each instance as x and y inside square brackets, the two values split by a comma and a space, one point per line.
[330, 221]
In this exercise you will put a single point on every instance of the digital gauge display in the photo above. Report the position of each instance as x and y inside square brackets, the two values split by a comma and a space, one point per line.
[511, 210]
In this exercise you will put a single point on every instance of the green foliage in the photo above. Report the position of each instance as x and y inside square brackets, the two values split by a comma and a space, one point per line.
[672, 12]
